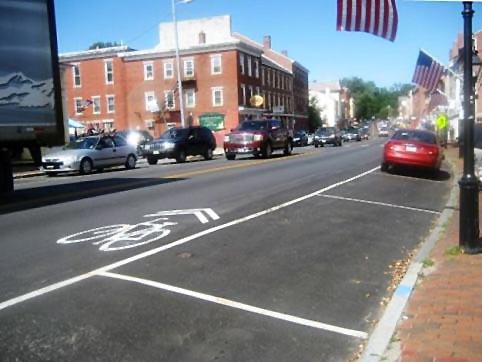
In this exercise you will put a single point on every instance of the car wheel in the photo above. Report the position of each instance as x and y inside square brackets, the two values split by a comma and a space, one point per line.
[384, 167]
[434, 173]
[267, 150]
[230, 156]
[85, 166]
[208, 155]
[151, 160]
[130, 162]
[181, 157]
[288, 149]
[317, 145]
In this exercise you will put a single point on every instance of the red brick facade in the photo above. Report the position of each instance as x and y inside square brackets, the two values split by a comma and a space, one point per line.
[285, 92]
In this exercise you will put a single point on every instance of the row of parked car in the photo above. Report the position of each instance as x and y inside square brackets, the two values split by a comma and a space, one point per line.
[259, 138]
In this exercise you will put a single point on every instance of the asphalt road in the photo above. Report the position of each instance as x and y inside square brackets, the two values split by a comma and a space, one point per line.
[283, 259]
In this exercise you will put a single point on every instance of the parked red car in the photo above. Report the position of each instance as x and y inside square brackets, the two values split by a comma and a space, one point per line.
[412, 147]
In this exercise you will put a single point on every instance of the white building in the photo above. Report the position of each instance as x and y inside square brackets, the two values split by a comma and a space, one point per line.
[328, 95]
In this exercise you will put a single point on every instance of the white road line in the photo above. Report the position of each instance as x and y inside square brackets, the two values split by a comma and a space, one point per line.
[381, 204]
[145, 254]
[238, 305]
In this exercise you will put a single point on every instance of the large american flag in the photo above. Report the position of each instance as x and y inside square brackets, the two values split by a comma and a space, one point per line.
[427, 72]
[378, 17]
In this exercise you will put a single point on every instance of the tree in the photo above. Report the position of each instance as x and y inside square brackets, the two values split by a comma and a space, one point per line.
[314, 117]
[101, 44]
[371, 101]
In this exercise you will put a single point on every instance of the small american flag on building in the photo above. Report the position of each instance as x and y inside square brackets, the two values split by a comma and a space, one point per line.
[427, 72]
[437, 98]
[378, 17]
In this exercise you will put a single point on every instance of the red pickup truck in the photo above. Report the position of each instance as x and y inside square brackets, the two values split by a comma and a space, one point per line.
[259, 138]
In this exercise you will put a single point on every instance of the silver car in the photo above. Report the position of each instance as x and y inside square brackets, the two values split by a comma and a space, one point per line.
[88, 153]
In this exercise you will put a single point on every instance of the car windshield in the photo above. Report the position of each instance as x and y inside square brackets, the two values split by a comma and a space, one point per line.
[175, 133]
[353, 130]
[82, 144]
[326, 131]
[253, 126]
[417, 136]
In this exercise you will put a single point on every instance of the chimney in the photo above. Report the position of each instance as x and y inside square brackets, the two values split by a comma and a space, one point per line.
[284, 52]
[267, 42]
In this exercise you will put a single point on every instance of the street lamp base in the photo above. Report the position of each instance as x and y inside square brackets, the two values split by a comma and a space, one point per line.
[469, 214]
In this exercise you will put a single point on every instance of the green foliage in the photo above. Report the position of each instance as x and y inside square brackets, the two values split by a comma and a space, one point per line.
[101, 44]
[314, 118]
[371, 101]
[428, 262]
[453, 251]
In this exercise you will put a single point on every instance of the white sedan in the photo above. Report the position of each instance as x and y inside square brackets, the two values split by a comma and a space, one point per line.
[88, 153]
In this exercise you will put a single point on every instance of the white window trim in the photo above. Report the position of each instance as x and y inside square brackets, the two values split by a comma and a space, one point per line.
[243, 91]
[256, 68]
[185, 62]
[107, 102]
[147, 95]
[106, 61]
[75, 105]
[213, 57]
[173, 100]
[213, 93]
[258, 92]
[241, 63]
[146, 64]
[94, 98]
[165, 70]
[263, 75]
[251, 93]
[193, 98]
[250, 68]
[73, 75]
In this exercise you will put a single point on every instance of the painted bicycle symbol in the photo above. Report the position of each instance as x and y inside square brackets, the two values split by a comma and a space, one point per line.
[125, 236]
[122, 236]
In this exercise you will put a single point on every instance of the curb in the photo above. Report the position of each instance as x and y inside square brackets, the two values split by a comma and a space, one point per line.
[382, 334]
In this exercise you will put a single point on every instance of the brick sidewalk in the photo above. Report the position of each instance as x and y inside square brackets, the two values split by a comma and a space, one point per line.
[443, 319]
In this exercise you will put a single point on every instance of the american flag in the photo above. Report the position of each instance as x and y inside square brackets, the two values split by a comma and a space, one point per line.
[437, 98]
[427, 72]
[86, 104]
[378, 17]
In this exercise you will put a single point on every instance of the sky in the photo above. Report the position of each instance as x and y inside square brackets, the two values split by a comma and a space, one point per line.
[306, 28]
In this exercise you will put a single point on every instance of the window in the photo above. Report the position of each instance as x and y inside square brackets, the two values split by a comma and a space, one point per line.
[241, 62]
[217, 94]
[78, 105]
[256, 68]
[243, 92]
[169, 99]
[76, 73]
[189, 68]
[268, 78]
[148, 71]
[109, 72]
[96, 105]
[168, 70]
[110, 104]
[263, 75]
[118, 140]
[190, 98]
[216, 64]
[251, 93]
[108, 125]
[150, 100]
[257, 91]
[106, 142]
[250, 70]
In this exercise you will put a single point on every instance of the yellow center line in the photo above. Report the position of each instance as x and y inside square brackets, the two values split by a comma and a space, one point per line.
[138, 183]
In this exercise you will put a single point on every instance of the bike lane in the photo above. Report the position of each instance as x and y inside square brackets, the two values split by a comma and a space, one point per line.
[282, 267]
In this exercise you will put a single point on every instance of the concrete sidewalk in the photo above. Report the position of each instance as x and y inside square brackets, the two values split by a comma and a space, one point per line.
[32, 171]
[443, 318]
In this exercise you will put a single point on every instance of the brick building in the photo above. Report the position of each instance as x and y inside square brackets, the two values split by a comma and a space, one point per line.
[126, 89]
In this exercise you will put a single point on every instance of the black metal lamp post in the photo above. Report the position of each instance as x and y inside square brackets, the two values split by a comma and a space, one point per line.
[469, 185]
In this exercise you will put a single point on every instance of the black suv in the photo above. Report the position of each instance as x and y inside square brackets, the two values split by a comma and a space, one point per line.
[178, 143]
[327, 136]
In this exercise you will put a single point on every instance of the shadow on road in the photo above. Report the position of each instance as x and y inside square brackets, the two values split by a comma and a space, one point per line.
[441, 176]
[51, 195]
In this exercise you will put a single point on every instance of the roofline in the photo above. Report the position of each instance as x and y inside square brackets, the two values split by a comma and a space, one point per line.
[275, 64]
[94, 53]
[156, 53]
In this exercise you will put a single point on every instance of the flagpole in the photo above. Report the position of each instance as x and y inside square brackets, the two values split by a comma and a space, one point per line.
[469, 185]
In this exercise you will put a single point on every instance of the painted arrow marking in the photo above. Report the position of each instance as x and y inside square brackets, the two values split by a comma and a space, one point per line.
[202, 214]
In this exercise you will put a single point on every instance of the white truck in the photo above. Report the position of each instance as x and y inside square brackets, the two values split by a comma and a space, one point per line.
[30, 90]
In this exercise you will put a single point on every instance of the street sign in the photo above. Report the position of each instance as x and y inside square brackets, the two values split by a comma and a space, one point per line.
[213, 121]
